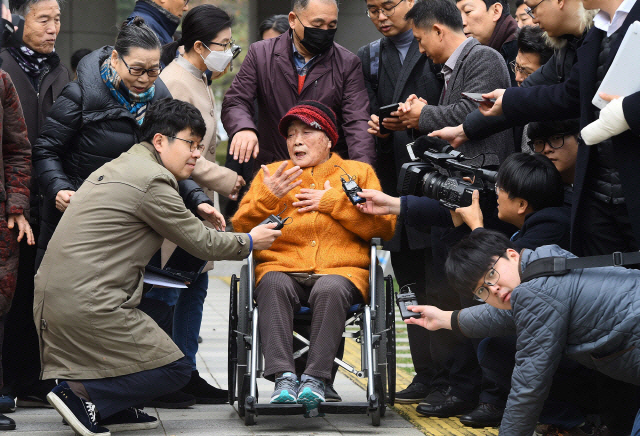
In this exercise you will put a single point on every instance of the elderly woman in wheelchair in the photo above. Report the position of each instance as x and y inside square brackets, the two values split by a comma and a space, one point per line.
[321, 259]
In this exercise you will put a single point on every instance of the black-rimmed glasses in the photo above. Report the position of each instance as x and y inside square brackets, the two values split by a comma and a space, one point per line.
[139, 71]
[193, 145]
[387, 11]
[490, 279]
[529, 10]
[227, 46]
[555, 142]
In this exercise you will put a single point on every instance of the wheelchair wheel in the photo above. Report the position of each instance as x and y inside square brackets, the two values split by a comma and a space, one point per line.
[244, 328]
[232, 370]
[375, 416]
[391, 340]
[379, 327]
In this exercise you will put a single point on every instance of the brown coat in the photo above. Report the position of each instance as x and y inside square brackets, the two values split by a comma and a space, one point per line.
[90, 280]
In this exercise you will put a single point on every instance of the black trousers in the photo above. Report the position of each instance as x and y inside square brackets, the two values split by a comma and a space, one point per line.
[114, 394]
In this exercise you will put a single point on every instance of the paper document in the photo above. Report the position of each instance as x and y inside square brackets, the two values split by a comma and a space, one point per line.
[159, 280]
[622, 78]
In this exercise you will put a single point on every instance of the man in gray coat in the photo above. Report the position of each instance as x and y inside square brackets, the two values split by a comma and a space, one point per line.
[468, 66]
[588, 315]
[107, 354]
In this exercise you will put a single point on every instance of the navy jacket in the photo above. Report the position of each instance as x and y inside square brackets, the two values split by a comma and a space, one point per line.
[572, 99]
[550, 225]
[159, 22]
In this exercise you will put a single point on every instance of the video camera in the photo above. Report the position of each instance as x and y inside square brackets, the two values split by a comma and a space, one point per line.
[423, 177]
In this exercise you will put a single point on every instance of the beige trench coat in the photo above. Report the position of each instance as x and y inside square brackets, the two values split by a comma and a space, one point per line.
[90, 280]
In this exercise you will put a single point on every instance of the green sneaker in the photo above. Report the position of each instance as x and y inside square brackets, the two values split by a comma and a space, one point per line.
[286, 389]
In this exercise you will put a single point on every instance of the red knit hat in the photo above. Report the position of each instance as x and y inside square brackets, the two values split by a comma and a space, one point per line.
[313, 114]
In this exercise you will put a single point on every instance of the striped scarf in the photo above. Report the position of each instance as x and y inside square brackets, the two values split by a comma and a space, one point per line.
[134, 103]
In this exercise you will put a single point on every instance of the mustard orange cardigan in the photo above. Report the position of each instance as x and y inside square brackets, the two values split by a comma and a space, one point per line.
[334, 240]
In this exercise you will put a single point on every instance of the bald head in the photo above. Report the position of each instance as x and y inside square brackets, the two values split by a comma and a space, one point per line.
[300, 5]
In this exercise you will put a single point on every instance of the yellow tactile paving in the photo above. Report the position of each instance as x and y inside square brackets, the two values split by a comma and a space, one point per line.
[429, 426]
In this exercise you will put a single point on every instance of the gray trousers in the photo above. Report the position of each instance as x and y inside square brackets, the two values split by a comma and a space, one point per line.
[279, 296]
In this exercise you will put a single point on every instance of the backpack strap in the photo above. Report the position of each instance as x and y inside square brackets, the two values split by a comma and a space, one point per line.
[374, 62]
[557, 265]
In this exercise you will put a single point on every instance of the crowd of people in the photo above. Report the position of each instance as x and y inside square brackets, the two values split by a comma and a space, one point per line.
[111, 167]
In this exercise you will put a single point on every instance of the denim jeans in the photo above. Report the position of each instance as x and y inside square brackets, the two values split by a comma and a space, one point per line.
[636, 426]
[187, 313]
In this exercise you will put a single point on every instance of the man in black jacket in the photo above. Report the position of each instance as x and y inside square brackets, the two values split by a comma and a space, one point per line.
[39, 77]
[394, 69]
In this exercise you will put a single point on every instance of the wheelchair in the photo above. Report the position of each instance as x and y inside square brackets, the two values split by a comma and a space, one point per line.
[375, 331]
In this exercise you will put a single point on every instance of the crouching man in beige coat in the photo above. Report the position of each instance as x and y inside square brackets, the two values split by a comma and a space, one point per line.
[108, 355]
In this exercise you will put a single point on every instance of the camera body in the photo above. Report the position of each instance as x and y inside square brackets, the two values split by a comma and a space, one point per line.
[424, 177]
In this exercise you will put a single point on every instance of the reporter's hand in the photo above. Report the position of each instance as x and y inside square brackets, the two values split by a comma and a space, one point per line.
[209, 213]
[264, 236]
[24, 229]
[374, 127]
[393, 122]
[63, 198]
[282, 181]
[472, 215]
[489, 108]
[309, 199]
[243, 144]
[409, 111]
[453, 135]
[378, 203]
[238, 186]
[432, 318]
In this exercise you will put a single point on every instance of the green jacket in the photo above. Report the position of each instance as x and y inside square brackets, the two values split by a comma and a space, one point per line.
[90, 280]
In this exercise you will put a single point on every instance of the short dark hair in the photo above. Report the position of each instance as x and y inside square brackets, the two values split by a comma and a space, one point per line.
[547, 129]
[532, 177]
[489, 3]
[519, 3]
[279, 23]
[202, 23]
[169, 116]
[77, 56]
[134, 33]
[300, 5]
[531, 39]
[470, 259]
[425, 14]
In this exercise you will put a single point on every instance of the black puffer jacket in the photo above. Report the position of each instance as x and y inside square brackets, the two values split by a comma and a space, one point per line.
[85, 129]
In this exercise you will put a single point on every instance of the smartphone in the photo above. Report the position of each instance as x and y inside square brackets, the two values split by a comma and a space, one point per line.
[385, 112]
[477, 97]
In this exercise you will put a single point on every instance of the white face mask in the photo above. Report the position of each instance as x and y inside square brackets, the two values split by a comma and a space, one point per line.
[217, 61]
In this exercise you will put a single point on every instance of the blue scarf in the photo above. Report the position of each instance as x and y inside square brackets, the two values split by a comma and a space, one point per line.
[134, 103]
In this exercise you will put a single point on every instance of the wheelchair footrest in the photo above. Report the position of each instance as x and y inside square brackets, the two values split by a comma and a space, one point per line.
[344, 408]
[280, 409]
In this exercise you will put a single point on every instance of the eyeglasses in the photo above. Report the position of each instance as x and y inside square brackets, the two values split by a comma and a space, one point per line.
[226, 46]
[387, 11]
[490, 279]
[529, 10]
[193, 145]
[186, 2]
[498, 189]
[139, 71]
[517, 68]
[555, 142]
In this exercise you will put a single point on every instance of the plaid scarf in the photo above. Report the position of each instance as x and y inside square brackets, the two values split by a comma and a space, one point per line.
[30, 61]
[134, 103]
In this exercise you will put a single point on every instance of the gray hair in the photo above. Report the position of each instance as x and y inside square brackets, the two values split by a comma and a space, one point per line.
[22, 7]
[301, 5]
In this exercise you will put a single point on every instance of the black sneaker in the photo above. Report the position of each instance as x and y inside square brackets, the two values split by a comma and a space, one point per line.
[330, 394]
[129, 420]
[414, 393]
[174, 400]
[204, 392]
[80, 414]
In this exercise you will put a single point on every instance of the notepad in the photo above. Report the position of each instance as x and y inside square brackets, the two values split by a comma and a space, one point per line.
[623, 77]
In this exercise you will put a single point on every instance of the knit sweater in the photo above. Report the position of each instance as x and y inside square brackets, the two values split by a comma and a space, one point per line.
[333, 240]
[180, 78]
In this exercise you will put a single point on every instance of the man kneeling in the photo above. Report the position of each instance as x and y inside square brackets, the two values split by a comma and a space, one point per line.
[109, 355]
[589, 315]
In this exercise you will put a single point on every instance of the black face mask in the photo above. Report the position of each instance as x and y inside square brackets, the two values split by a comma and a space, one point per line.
[317, 41]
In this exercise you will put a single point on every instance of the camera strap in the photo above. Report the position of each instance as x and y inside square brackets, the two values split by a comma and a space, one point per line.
[374, 63]
[557, 265]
